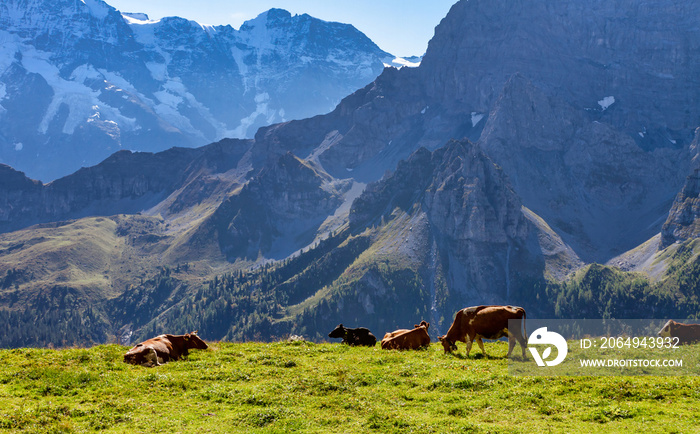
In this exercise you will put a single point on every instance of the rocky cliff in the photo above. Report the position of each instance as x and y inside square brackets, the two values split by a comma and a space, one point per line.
[277, 212]
[683, 219]
[463, 217]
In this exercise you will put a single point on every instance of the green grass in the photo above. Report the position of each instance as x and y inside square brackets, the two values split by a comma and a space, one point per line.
[305, 387]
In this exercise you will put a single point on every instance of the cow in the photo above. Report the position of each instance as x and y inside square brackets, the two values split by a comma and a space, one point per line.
[686, 333]
[161, 349]
[354, 337]
[407, 339]
[485, 322]
[400, 331]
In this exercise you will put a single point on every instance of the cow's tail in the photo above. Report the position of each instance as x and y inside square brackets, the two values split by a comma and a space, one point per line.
[524, 328]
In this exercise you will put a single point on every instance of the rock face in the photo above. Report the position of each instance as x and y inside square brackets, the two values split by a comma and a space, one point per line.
[629, 62]
[277, 212]
[588, 180]
[465, 196]
[683, 220]
[79, 80]
[460, 205]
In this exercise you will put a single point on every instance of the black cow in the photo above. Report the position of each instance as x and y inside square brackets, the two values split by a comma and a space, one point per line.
[354, 337]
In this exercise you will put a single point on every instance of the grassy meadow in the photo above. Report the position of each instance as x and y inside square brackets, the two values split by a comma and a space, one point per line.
[331, 388]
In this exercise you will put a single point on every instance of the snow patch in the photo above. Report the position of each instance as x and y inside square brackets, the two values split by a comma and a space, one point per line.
[159, 71]
[169, 99]
[606, 102]
[424, 109]
[476, 118]
[78, 97]
[144, 31]
[19, 146]
[400, 62]
[261, 109]
[135, 16]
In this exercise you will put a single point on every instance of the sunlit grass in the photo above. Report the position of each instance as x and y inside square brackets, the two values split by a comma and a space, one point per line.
[305, 387]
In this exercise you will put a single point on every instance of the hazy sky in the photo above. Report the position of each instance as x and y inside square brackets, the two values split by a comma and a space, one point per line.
[401, 27]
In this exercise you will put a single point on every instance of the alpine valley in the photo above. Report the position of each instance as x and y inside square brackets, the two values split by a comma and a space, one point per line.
[543, 154]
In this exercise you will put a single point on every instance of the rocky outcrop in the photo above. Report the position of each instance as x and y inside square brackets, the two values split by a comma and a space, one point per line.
[276, 213]
[683, 220]
[459, 201]
[465, 195]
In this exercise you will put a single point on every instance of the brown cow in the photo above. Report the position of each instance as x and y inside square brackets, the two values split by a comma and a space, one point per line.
[400, 331]
[686, 333]
[163, 348]
[485, 322]
[407, 339]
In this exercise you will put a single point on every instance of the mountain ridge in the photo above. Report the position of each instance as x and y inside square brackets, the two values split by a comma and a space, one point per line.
[98, 81]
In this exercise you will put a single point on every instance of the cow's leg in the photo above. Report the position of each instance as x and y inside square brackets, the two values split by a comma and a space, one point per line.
[523, 344]
[514, 337]
[481, 344]
[150, 359]
[469, 345]
[511, 344]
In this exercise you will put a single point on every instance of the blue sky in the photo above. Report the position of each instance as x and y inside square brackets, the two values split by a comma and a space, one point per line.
[401, 27]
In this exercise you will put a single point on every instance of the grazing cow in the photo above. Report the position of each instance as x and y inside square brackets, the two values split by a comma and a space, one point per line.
[400, 331]
[485, 322]
[163, 348]
[354, 337]
[407, 339]
[686, 333]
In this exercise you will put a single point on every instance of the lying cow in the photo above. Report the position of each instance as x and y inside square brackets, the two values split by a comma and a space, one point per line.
[354, 337]
[407, 339]
[686, 333]
[400, 331]
[156, 351]
[485, 322]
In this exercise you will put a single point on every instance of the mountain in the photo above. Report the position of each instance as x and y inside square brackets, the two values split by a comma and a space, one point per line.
[79, 80]
[575, 130]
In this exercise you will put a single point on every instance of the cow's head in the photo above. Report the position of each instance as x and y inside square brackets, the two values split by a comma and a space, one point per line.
[667, 329]
[338, 332]
[195, 342]
[135, 355]
[447, 344]
[422, 324]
